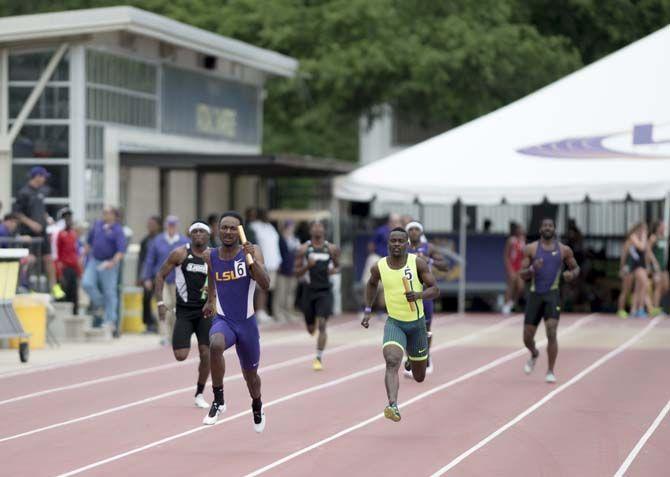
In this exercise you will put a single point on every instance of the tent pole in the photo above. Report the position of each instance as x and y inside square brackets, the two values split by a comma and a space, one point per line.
[461, 251]
[666, 218]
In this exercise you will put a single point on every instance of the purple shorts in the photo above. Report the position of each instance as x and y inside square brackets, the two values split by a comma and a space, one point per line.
[244, 335]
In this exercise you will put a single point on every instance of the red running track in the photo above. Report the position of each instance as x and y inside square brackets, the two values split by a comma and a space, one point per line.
[143, 423]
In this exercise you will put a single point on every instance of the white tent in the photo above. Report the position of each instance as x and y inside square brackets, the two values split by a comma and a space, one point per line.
[602, 132]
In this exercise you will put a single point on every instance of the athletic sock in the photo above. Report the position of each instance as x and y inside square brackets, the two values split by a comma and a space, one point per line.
[199, 389]
[256, 404]
[319, 354]
[218, 394]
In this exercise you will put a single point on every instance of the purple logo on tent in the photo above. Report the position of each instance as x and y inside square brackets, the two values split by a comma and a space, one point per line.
[645, 141]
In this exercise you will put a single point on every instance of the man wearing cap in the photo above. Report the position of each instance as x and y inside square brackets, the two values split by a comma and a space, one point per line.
[31, 211]
[68, 263]
[105, 248]
[159, 250]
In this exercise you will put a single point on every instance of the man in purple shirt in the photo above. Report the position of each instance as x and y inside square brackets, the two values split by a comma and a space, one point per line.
[157, 253]
[105, 247]
[379, 243]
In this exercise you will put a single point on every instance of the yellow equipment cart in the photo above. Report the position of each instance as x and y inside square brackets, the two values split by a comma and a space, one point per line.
[10, 327]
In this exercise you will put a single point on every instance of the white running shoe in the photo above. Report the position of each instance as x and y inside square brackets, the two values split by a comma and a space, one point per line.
[259, 420]
[507, 308]
[200, 402]
[550, 378]
[214, 412]
[530, 364]
[430, 368]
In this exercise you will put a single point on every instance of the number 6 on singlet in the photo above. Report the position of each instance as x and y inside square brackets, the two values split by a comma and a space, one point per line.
[240, 269]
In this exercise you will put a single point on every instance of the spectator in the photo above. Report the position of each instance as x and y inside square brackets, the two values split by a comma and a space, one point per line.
[32, 214]
[153, 229]
[658, 243]
[379, 243]
[487, 226]
[513, 257]
[213, 222]
[68, 264]
[8, 227]
[268, 240]
[159, 249]
[251, 215]
[105, 248]
[639, 254]
[286, 281]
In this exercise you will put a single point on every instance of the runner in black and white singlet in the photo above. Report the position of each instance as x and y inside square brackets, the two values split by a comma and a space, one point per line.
[191, 283]
[542, 266]
[317, 260]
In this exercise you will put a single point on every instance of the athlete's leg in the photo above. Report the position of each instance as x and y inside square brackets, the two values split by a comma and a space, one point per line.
[323, 336]
[529, 338]
[181, 338]
[202, 328]
[393, 356]
[626, 287]
[641, 289]
[551, 327]
[417, 348]
[309, 312]
[249, 352]
[217, 345]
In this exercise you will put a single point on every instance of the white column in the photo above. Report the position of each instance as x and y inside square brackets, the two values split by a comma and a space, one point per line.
[78, 131]
[5, 146]
[112, 157]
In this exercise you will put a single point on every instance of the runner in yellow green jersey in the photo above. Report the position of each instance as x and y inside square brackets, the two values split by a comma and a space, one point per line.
[405, 328]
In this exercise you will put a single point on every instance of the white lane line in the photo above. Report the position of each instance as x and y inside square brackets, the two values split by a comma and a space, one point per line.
[271, 367]
[335, 382]
[116, 377]
[643, 440]
[482, 369]
[548, 397]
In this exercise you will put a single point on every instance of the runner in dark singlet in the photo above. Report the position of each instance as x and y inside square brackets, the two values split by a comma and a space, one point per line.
[659, 248]
[232, 282]
[542, 265]
[191, 283]
[317, 260]
[432, 256]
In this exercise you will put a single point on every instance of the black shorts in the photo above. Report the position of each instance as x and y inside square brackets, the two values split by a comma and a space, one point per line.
[190, 321]
[317, 304]
[542, 305]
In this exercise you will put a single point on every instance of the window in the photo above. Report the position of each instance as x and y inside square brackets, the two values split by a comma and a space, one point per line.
[54, 103]
[94, 181]
[126, 73]
[58, 183]
[117, 107]
[94, 144]
[29, 66]
[40, 140]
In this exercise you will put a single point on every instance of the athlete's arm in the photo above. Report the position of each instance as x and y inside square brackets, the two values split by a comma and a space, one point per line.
[371, 294]
[430, 288]
[569, 259]
[210, 307]
[335, 256]
[257, 269]
[173, 260]
[528, 270]
[438, 260]
[300, 266]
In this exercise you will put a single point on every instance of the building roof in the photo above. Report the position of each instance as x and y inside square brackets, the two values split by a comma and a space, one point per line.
[60, 25]
[263, 165]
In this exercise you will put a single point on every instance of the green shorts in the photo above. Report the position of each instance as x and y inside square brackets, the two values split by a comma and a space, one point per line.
[411, 336]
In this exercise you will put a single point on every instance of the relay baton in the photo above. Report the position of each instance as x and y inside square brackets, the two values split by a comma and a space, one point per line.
[243, 238]
[405, 283]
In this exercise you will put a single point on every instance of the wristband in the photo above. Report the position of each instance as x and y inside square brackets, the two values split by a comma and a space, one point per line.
[160, 303]
[368, 309]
